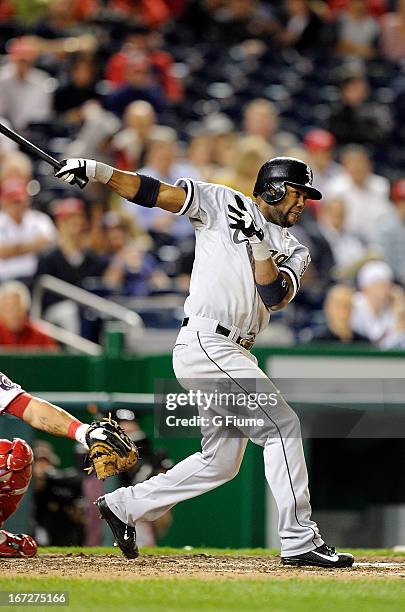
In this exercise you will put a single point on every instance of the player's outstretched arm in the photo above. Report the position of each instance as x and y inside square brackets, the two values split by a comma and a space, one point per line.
[110, 450]
[137, 188]
[42, 415]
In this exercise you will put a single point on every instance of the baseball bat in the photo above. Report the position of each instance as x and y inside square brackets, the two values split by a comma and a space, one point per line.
[29, 147]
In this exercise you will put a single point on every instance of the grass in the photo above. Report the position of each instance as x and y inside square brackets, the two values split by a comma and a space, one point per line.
[174, 595]
[304, 594]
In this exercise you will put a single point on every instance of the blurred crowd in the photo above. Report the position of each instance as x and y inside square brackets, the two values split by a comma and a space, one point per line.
[207, 89]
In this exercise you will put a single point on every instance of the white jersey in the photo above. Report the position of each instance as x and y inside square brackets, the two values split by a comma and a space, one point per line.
[34, 226]
[8, 391]
[222, 282]
[366, 322]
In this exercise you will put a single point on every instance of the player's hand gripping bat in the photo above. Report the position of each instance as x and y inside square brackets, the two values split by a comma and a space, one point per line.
[32, 149]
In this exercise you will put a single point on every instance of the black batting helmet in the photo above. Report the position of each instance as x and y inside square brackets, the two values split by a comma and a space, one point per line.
[278, 172]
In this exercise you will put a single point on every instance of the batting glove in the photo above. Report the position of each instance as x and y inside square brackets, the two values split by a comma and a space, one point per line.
[80, 171]
[73, 169]
[243, 221]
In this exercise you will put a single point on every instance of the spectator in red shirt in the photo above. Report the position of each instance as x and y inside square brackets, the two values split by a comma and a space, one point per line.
[139, 40]
[153, 14]
[7, 10]
[16, 329]
[375, 7]
[140, 84]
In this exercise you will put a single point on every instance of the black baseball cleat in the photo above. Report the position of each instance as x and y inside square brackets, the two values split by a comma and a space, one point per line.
[124, 535]
[323, 556]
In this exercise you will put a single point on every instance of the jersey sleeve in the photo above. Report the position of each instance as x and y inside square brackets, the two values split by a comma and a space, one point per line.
[295, 266]
[8, 391]
[203, 200]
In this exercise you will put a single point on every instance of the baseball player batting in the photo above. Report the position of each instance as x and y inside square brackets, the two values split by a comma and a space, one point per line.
[246, 265]
[110, 451]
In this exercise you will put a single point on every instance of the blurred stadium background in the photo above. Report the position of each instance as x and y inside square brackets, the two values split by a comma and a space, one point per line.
[92, 287]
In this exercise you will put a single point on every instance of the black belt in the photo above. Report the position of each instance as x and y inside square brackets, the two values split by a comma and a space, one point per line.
[247, 343]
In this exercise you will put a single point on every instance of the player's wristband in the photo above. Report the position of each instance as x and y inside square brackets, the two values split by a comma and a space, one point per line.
[73, 427]
[77, 431]
[148, 192]
[275, 292]
[101, 172]
[260, 250]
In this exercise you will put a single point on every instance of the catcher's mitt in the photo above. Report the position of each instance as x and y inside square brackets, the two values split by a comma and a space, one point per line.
[111, 451]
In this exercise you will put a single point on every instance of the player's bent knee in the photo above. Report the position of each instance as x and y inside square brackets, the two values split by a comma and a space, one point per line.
[290, 425]
[233, 471]
[15, 454]
[16, 460]
[224, 468]
[226, 472]
[223, 456]
[295, 424]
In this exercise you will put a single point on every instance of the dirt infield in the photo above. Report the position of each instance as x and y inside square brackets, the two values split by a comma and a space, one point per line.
[188, 566]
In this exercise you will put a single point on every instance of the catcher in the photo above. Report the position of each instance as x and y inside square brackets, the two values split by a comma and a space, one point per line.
[110, 451]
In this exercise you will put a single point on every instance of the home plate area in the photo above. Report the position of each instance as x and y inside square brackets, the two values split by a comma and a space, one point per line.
[201, 565]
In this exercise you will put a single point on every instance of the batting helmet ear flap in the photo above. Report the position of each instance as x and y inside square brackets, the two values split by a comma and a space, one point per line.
[274, 192]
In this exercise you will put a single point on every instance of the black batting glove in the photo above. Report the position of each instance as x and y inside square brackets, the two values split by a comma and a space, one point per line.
[243, 221]
[76, 171]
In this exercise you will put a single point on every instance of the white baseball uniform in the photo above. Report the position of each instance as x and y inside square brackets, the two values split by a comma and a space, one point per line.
[223, 291]
[8, 391]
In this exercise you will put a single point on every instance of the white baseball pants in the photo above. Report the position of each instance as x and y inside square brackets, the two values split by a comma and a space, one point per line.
[206, 355]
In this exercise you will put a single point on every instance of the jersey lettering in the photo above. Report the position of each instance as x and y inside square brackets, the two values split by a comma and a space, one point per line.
[279, 258]
[305, 265]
